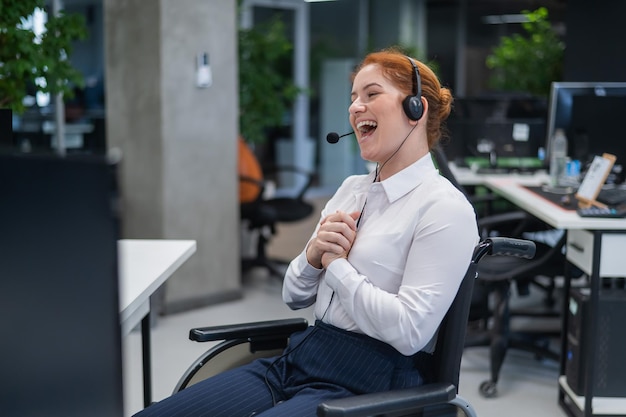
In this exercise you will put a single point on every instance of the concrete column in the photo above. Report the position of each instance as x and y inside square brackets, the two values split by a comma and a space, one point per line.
[178, 172]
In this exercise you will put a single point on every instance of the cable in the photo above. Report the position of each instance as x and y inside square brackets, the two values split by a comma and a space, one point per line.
[358, 221]
[376, 177]
[378, 171]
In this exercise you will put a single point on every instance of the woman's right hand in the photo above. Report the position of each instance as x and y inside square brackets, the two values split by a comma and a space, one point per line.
[334, 239]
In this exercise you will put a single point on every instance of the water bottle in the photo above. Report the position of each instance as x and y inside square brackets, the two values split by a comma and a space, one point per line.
[558, 158]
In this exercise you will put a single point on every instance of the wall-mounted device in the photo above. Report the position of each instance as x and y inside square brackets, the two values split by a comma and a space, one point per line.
[204, 76]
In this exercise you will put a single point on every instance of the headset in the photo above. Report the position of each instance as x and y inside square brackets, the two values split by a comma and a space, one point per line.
[412, 105]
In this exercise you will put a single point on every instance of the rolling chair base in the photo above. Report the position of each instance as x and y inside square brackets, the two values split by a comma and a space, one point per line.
[276, 267]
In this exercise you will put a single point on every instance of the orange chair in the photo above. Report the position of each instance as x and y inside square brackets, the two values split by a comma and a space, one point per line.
[262, 213]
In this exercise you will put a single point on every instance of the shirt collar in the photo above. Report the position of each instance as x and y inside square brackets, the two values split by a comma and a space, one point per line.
[409, 178]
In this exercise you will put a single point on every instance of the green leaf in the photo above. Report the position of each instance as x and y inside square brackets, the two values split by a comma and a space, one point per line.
[266, 88]
[22, 60]
[528, 63]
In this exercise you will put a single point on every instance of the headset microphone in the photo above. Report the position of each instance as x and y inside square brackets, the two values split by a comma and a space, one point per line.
[333, 137]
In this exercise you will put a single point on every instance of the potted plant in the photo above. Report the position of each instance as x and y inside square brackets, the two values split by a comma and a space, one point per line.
[32, 62]
[528, 63]
[266, 90]
[266, 96]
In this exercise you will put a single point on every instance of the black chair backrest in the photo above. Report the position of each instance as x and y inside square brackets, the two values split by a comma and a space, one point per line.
[444, 169]
[445, 362]
[451, 338]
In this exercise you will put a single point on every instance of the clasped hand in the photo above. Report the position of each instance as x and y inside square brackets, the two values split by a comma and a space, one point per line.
[334, 239]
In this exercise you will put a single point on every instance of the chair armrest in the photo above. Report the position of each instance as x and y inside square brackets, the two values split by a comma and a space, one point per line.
[253, 181]
[389, 402]
[275, 169]
[484, 198]
[496, 219]
[271, 328]
[512, 224]
[272, 171]
[247, 184]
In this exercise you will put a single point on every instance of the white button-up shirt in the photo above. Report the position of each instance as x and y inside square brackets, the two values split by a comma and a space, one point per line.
[413, 246]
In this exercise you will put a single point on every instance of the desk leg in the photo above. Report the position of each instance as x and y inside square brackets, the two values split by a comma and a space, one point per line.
[567, 285]
[147, 368]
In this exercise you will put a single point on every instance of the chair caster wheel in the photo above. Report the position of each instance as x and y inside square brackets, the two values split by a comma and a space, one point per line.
[488, 389]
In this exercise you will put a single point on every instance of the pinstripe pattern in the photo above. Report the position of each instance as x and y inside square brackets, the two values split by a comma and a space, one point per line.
[323, 363]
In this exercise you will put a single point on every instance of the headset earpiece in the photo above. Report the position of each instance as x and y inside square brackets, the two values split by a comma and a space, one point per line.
[412, 105]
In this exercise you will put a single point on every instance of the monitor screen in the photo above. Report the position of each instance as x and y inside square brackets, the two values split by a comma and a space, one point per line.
[590, 114]
[511, 126]
[61, 341]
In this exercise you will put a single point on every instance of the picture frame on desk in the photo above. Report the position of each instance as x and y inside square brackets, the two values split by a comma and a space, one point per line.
[594, 180]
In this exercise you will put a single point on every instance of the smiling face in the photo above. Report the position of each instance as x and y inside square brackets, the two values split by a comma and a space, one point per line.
[376, 114]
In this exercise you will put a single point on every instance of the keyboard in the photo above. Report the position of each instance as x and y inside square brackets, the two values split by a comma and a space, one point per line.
[612, 196]
[604, 212]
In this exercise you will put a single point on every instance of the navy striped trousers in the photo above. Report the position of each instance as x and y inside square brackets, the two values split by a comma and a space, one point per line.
[321, 363]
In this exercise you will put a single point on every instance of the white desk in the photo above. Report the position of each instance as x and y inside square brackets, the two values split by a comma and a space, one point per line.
[597, 247]
[144, 265]
[559, 217]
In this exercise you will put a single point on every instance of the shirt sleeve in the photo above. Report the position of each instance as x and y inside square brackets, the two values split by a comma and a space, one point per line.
[301, 283]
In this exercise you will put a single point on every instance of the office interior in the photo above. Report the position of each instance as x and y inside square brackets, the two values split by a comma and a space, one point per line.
[178, 163]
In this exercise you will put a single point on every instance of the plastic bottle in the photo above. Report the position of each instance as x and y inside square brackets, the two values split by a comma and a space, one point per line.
[558, 158]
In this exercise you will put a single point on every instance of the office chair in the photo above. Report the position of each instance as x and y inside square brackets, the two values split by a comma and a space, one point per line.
[240, 343]
[491, 314]
[261, 213]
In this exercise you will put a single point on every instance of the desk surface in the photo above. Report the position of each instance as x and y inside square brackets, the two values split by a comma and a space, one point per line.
[512, 187]
[144, 265]
[554, 215]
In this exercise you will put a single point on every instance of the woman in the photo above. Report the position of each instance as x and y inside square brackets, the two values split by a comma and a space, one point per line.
[382, 266]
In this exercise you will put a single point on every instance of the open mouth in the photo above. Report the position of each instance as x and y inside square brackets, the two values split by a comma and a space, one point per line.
[366, 127]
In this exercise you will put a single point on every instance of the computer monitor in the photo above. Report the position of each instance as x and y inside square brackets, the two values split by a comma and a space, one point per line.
[591, 114]
[512, 126]
[60, 353]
